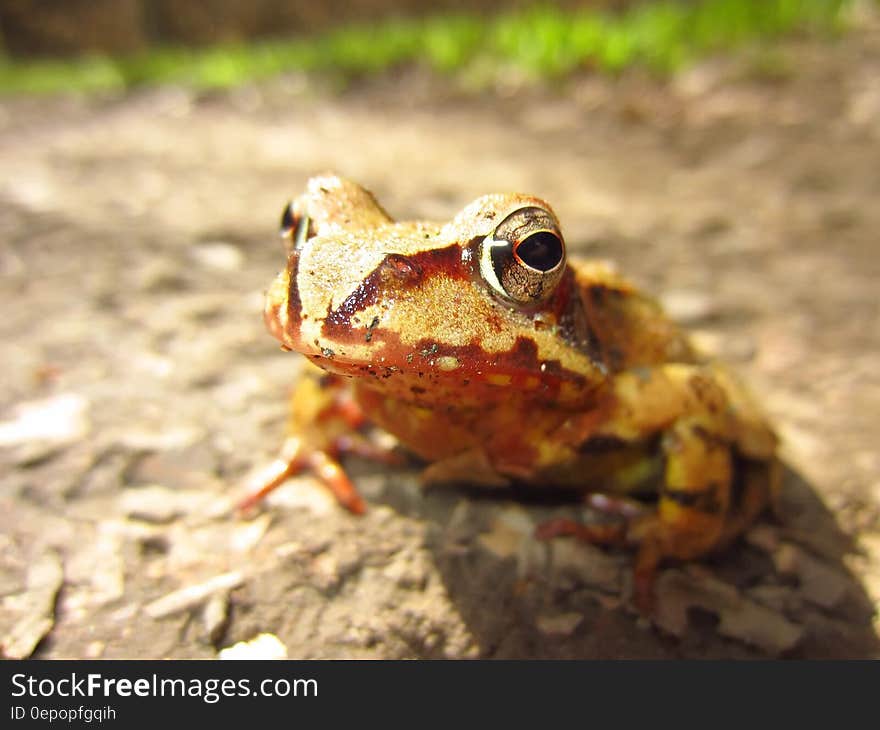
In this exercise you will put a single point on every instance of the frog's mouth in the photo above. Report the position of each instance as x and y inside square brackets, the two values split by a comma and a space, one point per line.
[429, 372]
[431, 338]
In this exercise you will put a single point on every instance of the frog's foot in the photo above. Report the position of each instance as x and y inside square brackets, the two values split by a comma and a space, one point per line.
[595, 534]
[325, 424]
[295, 459]
[616, 534]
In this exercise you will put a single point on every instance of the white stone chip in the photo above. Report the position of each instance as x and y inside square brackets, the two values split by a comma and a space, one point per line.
[263, 646]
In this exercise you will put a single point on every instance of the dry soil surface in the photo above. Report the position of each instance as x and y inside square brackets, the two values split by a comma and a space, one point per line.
[140, 388]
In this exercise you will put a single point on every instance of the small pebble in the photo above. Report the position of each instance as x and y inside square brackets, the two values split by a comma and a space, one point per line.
[193, 595]
[678, 591]
[263, 646]
[218, 255]
[246, 536]
[819, 583]
[510, 527]
[94, 650]
[763, 537]
[586, 564]
[160, 505]
[215, 616]
[36, 606]
[62, 418]
[561, 624]
[688, 306]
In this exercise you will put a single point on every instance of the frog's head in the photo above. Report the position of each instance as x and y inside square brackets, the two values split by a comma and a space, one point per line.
[473, 308]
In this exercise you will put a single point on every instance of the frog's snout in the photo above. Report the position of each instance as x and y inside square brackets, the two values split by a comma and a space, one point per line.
[282, 310]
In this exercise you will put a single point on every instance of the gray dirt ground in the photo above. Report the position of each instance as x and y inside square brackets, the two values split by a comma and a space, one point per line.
[139, 387]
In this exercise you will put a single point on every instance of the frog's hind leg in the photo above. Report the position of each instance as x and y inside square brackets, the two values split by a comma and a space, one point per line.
[718, 468]
[693, 503]
[705, 516]
[690, 516]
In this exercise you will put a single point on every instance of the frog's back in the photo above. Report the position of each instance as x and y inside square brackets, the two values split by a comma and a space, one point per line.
[627, 329]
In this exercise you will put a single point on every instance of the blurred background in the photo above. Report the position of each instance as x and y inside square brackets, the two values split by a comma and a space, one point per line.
[723, 154]
[43, 27]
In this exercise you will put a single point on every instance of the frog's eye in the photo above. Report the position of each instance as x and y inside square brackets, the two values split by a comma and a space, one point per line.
[296, 228]
[524, 258]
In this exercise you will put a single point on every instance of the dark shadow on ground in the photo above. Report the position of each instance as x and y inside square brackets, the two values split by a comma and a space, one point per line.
[522, 598]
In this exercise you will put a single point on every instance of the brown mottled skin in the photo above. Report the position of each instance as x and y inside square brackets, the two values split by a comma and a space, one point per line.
[569, 377]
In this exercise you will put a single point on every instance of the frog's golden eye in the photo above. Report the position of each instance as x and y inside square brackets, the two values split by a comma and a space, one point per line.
[524, 258]
[296, 228]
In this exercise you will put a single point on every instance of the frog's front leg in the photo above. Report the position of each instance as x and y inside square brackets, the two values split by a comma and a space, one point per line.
[324, 424]
[296, 458]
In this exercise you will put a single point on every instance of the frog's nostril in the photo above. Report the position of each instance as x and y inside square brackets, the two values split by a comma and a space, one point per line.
[400, 268]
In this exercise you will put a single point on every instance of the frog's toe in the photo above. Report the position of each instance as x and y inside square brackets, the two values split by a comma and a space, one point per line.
[265, 481]
[595, 534]
[618, 533]
[333, 476]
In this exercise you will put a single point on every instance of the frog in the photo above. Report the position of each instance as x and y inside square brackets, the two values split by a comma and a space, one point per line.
[496, 359]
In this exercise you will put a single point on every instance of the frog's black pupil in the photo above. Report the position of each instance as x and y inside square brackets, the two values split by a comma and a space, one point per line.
[541, 251]
[287, 220]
